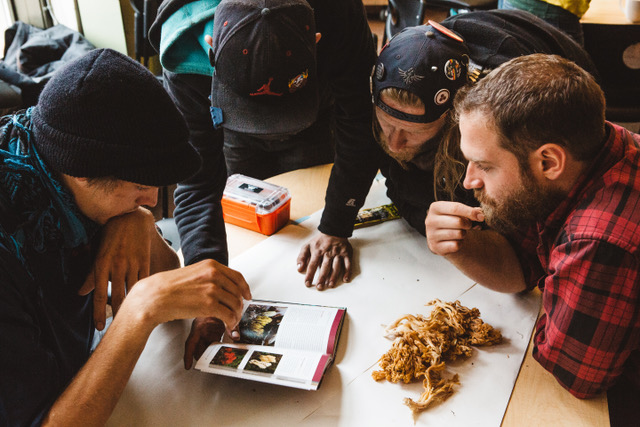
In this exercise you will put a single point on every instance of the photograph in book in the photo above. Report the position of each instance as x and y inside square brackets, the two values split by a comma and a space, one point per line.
[280, 343]
[228, 357]
[259, 324]
[263, 362]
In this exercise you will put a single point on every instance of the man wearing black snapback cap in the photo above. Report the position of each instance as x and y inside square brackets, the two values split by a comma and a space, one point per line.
[268, 86]
[76, 170]
[421, 70]
[414, 82]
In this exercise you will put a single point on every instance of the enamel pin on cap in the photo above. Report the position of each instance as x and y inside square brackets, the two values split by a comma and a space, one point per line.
[444, 30]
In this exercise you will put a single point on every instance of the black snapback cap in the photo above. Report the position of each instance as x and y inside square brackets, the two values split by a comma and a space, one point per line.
[429, 61]
[264, 54]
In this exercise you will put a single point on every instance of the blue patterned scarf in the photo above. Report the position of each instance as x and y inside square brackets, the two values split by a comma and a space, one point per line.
[36, 212]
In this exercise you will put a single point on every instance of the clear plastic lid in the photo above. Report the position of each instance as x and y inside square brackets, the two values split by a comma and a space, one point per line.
[264, 196]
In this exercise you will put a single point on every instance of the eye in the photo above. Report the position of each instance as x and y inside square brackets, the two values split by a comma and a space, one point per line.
[481, 166]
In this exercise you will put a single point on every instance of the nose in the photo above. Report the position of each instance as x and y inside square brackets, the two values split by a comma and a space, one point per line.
[397, 140]
[148, 197]
[471, 180]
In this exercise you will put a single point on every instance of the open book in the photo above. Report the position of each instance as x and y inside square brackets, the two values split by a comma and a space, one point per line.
[280, 343]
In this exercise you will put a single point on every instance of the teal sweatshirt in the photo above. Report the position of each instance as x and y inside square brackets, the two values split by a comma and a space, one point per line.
[182, 46]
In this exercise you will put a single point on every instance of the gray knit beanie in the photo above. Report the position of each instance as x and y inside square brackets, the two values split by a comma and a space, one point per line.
[105, 115]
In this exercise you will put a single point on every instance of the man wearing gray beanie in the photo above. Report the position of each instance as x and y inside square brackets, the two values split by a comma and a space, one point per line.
[75, 173]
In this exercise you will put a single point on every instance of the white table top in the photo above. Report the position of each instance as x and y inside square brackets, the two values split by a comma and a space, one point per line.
[162, 393]
[395, 275]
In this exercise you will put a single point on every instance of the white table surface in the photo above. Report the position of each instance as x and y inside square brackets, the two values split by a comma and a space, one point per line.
[395, 275]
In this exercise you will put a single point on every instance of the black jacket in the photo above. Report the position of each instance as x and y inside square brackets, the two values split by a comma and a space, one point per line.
[496, 36]
[346, 55]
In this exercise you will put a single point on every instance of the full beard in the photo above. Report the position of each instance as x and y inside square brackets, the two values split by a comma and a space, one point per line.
[526, 205]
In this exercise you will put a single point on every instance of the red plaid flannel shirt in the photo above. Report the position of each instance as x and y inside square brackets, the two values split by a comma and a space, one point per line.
[584, 259]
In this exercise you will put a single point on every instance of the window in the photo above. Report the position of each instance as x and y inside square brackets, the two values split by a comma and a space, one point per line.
[6, 20]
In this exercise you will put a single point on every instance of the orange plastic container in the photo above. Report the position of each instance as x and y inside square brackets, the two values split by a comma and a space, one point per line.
[254, 204]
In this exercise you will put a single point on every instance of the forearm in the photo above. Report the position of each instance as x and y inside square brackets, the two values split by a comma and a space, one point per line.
[487, 258]
[605, 279]
[347, 56]
[206, 289]
[355, 167]
[198, 216]
[415, 217]
[198, 210]
[95, 390]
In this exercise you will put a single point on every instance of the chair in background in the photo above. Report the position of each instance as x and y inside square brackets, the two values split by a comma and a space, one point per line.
[145, 12]
[615, 50]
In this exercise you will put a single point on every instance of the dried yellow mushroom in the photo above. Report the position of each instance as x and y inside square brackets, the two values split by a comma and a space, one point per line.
[421, 345]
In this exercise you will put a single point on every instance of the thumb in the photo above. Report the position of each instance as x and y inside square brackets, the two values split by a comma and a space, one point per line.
[189, 350]
[478, 215]
[89, 284]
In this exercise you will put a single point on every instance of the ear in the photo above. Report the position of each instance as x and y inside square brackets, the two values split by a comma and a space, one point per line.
[318, 37]
[550, 161]
[79, 181]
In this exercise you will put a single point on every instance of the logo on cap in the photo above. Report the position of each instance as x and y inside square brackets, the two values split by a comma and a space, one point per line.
[379, 71]
[452, 69]
[441, 97]
[298, 81]
[410, 76]
[265, 89]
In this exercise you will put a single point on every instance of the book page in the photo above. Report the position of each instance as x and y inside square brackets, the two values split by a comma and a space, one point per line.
[301, 369]
[294, 326]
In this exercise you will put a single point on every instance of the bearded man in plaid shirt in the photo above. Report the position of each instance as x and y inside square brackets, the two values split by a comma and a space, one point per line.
[559, 189]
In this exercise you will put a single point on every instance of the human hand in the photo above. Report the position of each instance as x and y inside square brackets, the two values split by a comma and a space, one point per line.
[204, 289]
[331, 255]
[204, 331]
[447, 224]
[123, 258]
